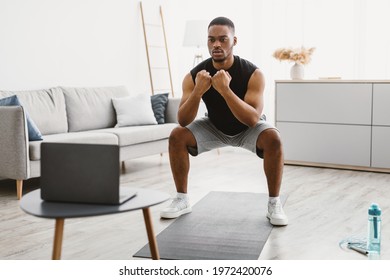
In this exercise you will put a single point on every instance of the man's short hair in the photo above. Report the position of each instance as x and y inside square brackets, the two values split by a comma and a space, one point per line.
[222, 21]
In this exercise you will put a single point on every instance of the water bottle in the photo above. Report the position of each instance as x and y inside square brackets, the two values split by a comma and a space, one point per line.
[374, 231]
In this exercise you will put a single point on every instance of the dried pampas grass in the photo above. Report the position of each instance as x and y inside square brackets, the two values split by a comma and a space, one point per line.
[298, 55]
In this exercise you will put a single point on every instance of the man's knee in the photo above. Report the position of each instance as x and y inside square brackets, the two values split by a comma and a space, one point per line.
[180, 136]
[176, 135]
[269, 140]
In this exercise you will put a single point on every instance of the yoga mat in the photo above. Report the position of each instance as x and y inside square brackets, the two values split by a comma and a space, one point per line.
[221, 226]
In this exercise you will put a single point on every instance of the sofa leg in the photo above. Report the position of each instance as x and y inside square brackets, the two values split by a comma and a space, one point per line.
[19, 188]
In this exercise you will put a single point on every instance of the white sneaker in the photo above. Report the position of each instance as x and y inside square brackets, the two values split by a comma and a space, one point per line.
[178, 207]
[276, 215]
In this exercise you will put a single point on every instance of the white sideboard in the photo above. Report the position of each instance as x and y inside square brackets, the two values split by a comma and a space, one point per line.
[335, 123]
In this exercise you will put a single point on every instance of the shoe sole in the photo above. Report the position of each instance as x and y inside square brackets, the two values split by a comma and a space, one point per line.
[277, 222]
[176, 214]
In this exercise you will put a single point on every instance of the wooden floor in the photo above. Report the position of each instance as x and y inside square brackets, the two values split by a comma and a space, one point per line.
[325, 207]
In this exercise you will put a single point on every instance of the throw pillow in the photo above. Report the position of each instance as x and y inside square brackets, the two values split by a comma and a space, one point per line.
[134, 110]
[33, 132]
[159, 104]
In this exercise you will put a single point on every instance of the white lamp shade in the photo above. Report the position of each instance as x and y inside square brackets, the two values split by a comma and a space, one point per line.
[195, 33]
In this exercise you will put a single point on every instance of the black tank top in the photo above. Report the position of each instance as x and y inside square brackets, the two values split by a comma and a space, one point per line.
[217, 109]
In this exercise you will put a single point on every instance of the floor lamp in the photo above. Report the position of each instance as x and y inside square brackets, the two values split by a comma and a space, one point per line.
[196, 36]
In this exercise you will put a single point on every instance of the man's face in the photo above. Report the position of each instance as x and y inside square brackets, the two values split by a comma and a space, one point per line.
[220, 42]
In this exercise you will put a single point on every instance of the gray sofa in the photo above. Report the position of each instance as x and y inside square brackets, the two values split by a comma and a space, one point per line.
[74, 115]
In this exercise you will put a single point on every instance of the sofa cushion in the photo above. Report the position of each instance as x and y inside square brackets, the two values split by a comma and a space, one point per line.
[46, 107]
[134, 110]
[91, 108]
[33, 132]
[172, 109]
[79, 137]
[132, 135]
[159, 105]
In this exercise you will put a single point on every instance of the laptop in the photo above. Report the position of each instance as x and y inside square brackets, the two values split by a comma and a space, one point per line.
[84, 173]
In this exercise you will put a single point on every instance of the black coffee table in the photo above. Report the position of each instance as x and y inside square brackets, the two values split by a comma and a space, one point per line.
[32, 204]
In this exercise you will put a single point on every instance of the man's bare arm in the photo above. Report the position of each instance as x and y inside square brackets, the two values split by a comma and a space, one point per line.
[192, 94]
[249, 110]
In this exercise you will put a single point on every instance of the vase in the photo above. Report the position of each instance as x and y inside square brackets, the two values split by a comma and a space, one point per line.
[297, 71]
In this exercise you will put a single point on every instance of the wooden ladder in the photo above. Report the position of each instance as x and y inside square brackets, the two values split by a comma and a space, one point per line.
[156, 49]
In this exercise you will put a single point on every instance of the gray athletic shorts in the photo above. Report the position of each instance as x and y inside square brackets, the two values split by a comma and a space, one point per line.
[208, 137]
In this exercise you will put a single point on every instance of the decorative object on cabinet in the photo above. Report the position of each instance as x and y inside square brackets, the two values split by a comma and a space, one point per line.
[300, 56]
[297, 71]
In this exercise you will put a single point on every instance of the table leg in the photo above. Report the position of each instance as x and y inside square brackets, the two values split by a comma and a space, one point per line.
[150, 232]
[58, 233]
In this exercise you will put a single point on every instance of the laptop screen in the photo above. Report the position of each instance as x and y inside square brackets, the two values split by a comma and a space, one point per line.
[87, 173]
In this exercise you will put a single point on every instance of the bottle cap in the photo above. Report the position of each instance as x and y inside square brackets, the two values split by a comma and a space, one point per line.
[374, 210]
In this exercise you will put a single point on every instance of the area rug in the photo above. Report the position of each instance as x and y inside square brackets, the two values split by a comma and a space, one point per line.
[222, 226]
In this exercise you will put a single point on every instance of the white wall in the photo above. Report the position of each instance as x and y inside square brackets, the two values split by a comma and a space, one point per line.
[46, 43]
